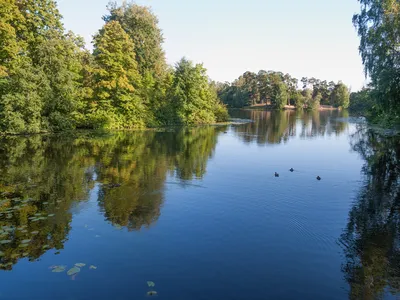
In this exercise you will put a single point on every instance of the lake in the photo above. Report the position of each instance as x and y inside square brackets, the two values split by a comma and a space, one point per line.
[197, 213]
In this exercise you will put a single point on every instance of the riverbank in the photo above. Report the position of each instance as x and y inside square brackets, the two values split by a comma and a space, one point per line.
[286, 107]
[232, 121]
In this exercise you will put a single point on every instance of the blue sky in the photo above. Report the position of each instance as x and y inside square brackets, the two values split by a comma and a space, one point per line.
[312, 38]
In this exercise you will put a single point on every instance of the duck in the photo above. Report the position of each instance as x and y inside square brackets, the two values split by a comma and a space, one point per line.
[276, 174]
[291, 170]
[319, 178]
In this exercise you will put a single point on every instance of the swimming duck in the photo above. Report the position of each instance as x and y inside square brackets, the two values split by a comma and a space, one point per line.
[319, 178]
[291, 170]
[276, 174]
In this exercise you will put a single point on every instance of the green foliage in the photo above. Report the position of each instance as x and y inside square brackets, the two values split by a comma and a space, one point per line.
[378, 26]
[278, 90]
[49, 82]
[299, 100]
[142, 27]
[193, 98]
[340, 96]
[279, 95]
[116, 101]
[21, 100]
[60, 61]
[361, 102]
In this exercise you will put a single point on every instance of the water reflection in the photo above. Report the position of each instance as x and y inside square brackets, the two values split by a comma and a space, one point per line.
[43, 178]
[276, 127]
[371, 240]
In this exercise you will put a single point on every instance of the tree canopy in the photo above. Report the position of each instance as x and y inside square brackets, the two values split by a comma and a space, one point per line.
[278, 90]
[50, 82]
[378, 25]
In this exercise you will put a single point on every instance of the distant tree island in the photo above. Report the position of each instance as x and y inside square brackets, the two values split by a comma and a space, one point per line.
[278, 90]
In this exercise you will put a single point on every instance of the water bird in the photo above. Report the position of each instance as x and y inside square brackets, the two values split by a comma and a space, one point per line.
[291, 170]
[319, 178]
[276, 174]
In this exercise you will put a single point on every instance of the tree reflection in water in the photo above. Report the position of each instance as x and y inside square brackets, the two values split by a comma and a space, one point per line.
[371, 240]
[43, 177]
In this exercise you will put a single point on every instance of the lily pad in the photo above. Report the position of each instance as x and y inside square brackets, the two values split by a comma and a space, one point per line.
[25, 241]
[152, 293]
[92, 267]
[23, 245]
[73, 271]
[45, 247]
[80, 265]
[51, 215]
[3, 242]
[151, 283]
[45, 202]
[35, 232]
[59, 269]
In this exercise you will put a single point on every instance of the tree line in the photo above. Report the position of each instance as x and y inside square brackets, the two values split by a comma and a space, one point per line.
[378, 25]
[50, 82]
[278, 90]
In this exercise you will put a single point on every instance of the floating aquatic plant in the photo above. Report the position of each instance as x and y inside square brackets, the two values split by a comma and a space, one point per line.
[59, 269]
[80, 265]
[73, 271]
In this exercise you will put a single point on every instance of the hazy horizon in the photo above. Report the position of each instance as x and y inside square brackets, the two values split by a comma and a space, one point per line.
[310, 39]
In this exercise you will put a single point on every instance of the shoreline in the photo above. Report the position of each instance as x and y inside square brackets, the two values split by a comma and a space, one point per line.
[233, 121]
[287, 107]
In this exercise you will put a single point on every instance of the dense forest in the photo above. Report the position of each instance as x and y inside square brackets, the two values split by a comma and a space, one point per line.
[278, 90]
[378, 26]
[50, 82]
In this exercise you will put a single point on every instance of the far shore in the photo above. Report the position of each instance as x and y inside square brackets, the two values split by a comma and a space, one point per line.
[287, 107]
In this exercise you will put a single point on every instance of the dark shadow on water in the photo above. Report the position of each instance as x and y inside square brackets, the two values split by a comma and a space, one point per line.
[371, 240]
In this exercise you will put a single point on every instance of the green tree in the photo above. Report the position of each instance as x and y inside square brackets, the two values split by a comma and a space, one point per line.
[378, 26]
[142, 27]
[116, 100]
[42, 21]
[9, 46]
[280, 95]
[21, 102]
[194, 100]
[340, 96]
[60, 59]
[361, 102]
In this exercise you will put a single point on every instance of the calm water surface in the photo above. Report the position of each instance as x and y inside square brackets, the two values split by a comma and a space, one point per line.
[199, 214]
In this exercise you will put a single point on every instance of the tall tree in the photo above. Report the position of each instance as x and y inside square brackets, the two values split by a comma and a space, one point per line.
[378, 26]
[194, 100]
[142, 26]
[116, 101]
[340, 96]
[60, 58]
